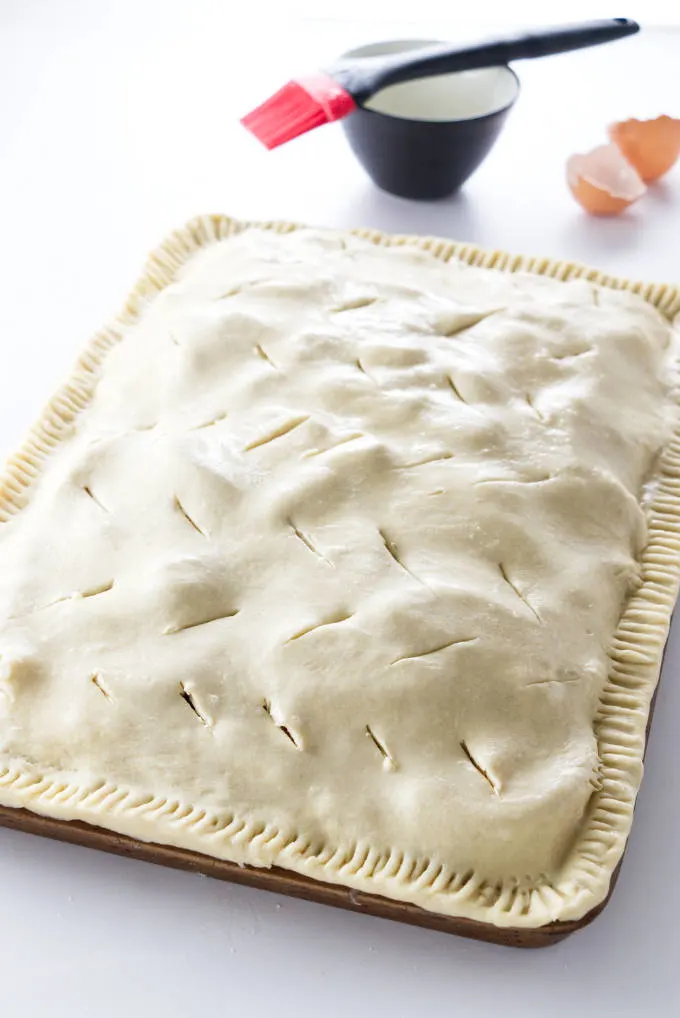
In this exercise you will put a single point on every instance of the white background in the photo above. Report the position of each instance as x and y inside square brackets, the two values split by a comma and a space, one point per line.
[118, 122]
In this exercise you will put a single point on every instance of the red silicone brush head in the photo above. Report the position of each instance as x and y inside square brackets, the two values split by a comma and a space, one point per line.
[299, 106]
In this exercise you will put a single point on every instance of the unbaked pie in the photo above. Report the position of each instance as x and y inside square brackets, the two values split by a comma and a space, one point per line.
[355, 556]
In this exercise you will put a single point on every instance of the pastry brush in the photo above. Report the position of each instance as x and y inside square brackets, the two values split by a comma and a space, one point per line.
[313, 100]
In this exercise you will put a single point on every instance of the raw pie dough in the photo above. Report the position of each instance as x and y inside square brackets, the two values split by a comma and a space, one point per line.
[354, 559]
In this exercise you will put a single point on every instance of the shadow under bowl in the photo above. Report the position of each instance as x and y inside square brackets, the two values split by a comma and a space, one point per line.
[423, 139]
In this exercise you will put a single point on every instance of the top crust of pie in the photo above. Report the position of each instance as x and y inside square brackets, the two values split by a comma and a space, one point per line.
[353, 559]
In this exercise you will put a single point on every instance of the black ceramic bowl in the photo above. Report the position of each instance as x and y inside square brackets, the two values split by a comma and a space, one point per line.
[423, 139]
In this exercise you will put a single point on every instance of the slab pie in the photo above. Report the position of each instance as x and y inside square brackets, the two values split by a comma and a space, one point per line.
[355, 556]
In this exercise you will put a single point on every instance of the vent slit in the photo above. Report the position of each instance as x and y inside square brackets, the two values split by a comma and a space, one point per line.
[278, 433]
[532, 407]
[190, 699]
[96, 681]
[519, 593]
[388, 759]
[438, 458]
[342, 441]
[264, 356]
[454, 388]
[90, 494]
[354, 304]
[514, 480]
[360, 367]
[202, 622]
[478, 767]
[267, 708]
[308, 543]
[210, 423]
[570, 356]
[334, 621]
[103, 589]
[559, 682]
[435, 650]
[188, 518]
[93, 592]
[393, 552]
[468, 323]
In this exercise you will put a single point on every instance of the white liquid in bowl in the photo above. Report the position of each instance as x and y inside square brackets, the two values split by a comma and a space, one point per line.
[461, 96]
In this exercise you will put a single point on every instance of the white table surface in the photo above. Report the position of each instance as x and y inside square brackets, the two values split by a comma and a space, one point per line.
[118, 123]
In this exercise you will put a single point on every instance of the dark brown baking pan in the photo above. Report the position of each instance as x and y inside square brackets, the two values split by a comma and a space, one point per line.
[285, 882]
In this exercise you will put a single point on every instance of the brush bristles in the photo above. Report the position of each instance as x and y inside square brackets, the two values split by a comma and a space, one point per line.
[297, 108]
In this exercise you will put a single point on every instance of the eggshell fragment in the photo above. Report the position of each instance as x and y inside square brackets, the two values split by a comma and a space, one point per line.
[603, 182]
[651, 146]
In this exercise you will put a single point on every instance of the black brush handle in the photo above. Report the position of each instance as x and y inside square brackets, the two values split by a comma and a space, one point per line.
[364, 77]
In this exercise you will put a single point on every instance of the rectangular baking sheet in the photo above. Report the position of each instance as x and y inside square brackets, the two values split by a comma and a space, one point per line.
[290, 883]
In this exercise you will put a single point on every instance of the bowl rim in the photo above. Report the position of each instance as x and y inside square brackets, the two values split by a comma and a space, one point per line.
[356, 53]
